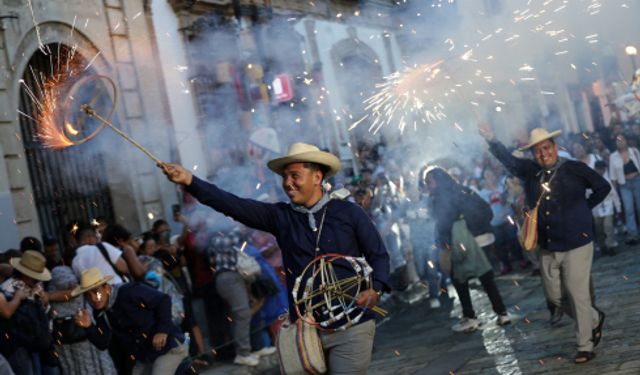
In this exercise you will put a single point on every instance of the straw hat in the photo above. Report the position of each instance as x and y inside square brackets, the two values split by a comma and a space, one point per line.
[304, 153]
[538, 135]
[90, 279]
[32, 264]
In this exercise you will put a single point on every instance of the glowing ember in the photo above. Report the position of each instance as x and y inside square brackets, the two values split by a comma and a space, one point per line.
[70, 129]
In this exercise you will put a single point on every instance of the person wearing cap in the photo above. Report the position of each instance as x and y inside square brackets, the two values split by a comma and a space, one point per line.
[26, 283]
[346, 229]
[137, 315]
[564, 226]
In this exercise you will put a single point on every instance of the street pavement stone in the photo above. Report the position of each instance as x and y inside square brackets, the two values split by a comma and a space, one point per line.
[415, 339]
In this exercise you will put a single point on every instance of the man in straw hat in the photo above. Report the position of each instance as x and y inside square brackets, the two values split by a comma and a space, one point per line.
[346, 229]
[564, 226]
[138, 316]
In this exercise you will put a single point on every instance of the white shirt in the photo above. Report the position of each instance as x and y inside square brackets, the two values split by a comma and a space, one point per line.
[605, 208]
[617, 165]
[89, 256]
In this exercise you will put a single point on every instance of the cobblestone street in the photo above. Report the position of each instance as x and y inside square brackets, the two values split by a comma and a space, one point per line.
[418, 340]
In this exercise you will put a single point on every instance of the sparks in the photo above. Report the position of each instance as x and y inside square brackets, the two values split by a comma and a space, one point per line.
[50, 90]
[406, 98]
[92, 60]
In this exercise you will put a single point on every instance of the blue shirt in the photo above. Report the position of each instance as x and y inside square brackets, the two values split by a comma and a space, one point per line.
[347, 230]
[501, 210]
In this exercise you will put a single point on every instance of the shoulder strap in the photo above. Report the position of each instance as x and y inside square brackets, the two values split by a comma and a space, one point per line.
[546, 185]
[105, 254]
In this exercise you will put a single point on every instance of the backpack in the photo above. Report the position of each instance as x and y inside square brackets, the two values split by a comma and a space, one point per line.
[170, 286]
[474, 208]
[163, 282]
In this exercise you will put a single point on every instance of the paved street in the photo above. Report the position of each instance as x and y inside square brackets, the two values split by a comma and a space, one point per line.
[418, 340]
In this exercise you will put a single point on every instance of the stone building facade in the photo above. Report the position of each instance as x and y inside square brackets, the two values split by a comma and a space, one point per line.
[41, 190]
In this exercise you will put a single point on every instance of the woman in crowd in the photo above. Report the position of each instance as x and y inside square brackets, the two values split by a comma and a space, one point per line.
[625, 171]
[451, 202]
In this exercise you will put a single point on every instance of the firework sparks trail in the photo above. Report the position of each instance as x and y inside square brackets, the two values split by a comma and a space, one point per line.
[92, 60]
[37, 27]
[45, 92]
[403, 98]
[414, 95]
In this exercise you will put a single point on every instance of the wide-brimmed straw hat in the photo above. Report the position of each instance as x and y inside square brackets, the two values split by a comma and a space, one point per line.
[32, 264]
[304, 153]
[538, 135]
[90, 279]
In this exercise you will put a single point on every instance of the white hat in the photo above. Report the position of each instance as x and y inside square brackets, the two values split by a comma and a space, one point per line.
[32, 264]
[304, 153]
[538, 135]
[90, 279]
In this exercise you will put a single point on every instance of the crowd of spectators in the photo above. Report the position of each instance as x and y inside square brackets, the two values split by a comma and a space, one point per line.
[198, 266]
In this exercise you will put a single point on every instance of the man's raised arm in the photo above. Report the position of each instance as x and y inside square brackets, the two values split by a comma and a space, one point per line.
[516, 166]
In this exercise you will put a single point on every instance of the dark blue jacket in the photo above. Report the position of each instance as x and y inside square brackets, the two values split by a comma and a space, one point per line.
[138, 313]
[347, 230]
[564, 218]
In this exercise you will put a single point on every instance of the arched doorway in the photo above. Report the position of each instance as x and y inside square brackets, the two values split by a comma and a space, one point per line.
[69, 184]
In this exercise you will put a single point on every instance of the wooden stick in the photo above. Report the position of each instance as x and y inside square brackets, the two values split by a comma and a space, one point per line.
[86, 108]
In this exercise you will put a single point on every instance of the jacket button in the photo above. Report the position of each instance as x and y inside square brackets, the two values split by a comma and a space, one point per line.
[547, 197]
[546, 213]
[548, 227]
[548, 239]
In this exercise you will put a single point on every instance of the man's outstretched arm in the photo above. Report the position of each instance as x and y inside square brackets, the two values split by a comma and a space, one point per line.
[252, 213]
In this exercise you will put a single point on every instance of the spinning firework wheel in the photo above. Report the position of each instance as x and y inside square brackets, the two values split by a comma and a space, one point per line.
[75, 120]
[332, 283]
[97, 91]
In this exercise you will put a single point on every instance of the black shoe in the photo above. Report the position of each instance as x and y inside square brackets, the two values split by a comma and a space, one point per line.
[631, 242]
[596, 334]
